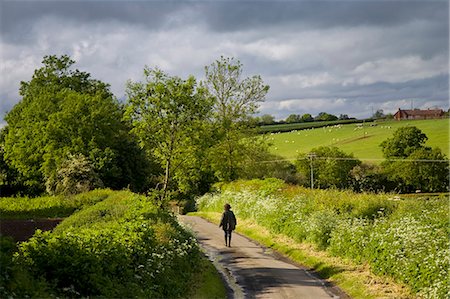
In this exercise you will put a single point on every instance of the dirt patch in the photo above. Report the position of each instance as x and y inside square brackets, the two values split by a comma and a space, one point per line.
[22, 230]
[354, 139]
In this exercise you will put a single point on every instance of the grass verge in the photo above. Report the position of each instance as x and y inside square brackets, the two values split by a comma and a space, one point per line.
[356, 280]
[207, 283]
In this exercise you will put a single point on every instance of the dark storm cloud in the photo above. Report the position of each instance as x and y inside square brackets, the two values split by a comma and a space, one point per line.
[334, 56]
[434, 88]
[19, 17]
[230, 16]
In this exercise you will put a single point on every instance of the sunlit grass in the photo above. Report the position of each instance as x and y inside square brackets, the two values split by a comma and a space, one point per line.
[49, 206]
[363, 141]
[207, 283]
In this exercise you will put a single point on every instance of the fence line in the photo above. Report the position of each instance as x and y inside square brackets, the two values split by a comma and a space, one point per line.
[355, 159]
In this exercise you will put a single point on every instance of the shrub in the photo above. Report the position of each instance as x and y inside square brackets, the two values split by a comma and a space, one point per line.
[124, 246]
[76, 175]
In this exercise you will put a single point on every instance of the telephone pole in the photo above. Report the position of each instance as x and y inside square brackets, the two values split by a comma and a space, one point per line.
[311, 157]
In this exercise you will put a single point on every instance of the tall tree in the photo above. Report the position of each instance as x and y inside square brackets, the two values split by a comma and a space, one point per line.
[267, 119]
[236, 99]
[169, 116]
[307, 118]
[65, 112]
[323, 116]
[378, 114]
[293, 118]
[404, 141]
[412, 165]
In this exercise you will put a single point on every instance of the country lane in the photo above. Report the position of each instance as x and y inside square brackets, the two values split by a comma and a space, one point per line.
[253, 271]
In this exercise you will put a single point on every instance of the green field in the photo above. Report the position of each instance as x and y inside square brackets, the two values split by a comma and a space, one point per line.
[306, 125]
[362, 140]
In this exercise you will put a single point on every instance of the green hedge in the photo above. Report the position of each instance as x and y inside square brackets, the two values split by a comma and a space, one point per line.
[48, 206]
[122, 247]
[280, 128]
[407, 240]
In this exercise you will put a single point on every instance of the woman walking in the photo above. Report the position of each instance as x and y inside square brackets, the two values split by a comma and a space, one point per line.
[228, 223]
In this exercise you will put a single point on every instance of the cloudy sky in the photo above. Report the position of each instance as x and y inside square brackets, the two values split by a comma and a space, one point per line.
[341, 57]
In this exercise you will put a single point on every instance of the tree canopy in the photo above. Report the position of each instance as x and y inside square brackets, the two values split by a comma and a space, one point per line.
[65, 112]
[236, 99]
[404, 142]
[412, 165]
[168, 115]
[331, 166]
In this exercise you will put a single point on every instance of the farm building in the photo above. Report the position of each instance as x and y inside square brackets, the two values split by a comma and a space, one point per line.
[418, 114]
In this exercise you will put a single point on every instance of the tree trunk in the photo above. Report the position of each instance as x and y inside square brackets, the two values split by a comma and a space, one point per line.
[166, 180]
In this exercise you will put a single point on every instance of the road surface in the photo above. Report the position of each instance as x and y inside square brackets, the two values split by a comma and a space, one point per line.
[253, 271]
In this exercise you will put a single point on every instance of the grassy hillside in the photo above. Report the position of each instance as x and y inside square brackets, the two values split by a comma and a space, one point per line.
[361, 140]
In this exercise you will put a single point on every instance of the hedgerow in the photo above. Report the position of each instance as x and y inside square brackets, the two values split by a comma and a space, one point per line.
[49, 206]
[122, 247]
[407, 240]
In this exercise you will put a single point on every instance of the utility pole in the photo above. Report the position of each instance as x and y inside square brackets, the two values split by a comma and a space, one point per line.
[311, 157]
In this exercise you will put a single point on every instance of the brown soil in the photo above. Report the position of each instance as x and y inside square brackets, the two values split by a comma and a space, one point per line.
[22, 230]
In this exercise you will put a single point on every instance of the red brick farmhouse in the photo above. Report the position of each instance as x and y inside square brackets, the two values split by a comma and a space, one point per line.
[418, 114]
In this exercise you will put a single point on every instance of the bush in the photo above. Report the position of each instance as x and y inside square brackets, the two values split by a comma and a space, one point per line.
[124, 246]
[76, 175]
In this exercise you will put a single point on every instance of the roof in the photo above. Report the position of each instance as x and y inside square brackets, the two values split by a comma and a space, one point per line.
[418, 112]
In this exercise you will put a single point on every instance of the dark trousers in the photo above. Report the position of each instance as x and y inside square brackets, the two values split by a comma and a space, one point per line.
[227, 236]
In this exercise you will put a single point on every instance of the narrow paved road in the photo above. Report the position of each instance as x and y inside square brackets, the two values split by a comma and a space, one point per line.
[252, 271]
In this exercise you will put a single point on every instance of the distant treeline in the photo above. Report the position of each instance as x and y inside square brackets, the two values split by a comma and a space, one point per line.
[284, 127]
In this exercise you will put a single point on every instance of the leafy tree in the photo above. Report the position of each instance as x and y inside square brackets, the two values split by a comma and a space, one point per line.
[413, 166]
[267, 119]
[9, 177]
[323, 116]
[331, 166]
[378, 114]
[235, 101]
[307, 118]
[425, 169]
[169, 117]
[343, 117]
[259, 163]
[293, 118]
[63, 112]
[370, 178]
[404, 141]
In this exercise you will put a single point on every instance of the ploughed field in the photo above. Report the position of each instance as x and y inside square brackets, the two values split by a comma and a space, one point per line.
[362, 140]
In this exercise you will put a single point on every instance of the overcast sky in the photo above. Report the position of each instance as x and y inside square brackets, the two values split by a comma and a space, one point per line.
[341, 57]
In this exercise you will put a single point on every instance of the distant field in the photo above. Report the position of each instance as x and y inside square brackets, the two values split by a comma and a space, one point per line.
[362, 140]
[302, 126]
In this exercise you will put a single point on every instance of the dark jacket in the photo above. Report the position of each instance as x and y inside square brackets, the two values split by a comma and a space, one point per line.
[228, 221]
